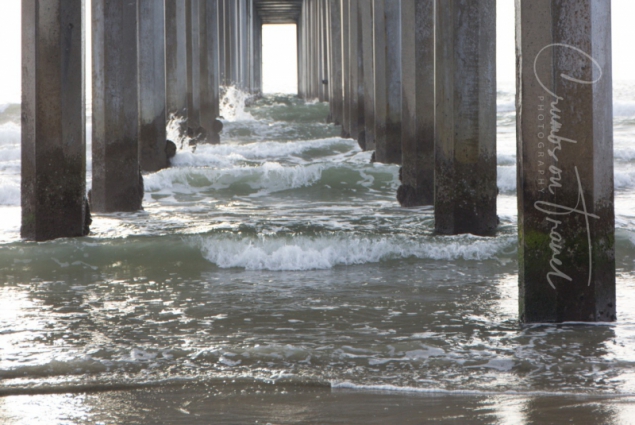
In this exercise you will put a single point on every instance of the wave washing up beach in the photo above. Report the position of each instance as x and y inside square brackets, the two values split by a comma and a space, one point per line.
[275, 279]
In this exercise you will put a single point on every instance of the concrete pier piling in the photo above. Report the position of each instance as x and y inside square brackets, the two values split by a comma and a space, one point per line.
[346, 93]
[353, 69]
[465, 117]
[335, 81]
[53, 121]
[565, 161]
[417, 75]
[152, 86]
[193, 35]
[387, 37]
[366, 25]
[175, 58]
[117, 183]
[209, 70]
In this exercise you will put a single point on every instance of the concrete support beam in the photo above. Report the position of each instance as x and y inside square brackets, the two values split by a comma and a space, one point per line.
[209, 69]
[366, 24]
[152, 85]
[117, 183]
[335, 81]
[417, 107]
[175, 57]
[53, 120]
[465, 117]
[387, 31]
[192, 8]
[565, 161]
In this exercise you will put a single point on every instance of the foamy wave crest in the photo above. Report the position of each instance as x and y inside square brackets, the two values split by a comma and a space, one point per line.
[316, 253]
[624, 179]
[506, 179]
[270, 176]
[232, 105]
[10, 134]
[225, 154]
[9, 190]
[624, 108]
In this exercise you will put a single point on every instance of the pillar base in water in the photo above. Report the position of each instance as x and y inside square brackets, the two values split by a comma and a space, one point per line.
[117, 182]
[566, 218]
[53, 187]
[465, 117]
[417, 107]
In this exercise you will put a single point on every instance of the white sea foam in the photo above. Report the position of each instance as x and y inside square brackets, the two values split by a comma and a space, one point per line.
[308, 253]
[346, 385]
[9, 190]
[269, 176]
[10, 134]
[624, 179]
[215, 155]
[624, 108]
[506, 178]
[232, 105]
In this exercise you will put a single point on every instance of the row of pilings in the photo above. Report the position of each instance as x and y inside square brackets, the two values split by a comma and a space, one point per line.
[415, 82]
[412, 80]
[152, 61]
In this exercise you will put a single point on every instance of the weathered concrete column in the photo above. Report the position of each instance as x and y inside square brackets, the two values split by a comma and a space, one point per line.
[323, 65]
[300, 54]
[346, 93]
[175, 57]
[257, 55]
[117, 183]
[53, 121]
[387, 31]
[243, 45]
[565, 161]
[193, 66]
[366, 19]
[312, 40]
[208, 26]
[336, 61]
[354, 50]
[221, 42]
[152, 85]
[234, 47]
[465, 117]
[417, 110]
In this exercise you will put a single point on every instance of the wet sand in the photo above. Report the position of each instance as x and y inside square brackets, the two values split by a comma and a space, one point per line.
[268, 404]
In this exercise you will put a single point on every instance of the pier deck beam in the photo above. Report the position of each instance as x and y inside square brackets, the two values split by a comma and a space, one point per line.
[53, 121]
[417, 110]
[566, 218]
[465, 117]
[117, 183]
[152, 86]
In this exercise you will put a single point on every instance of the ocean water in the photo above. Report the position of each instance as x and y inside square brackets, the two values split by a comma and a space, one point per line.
[282, 257]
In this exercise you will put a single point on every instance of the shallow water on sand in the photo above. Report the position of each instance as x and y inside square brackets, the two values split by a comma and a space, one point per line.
[281, 258]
